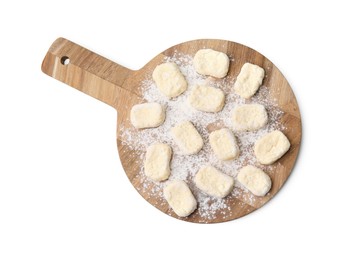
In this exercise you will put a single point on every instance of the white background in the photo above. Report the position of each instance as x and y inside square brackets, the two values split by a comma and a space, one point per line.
[63, 192]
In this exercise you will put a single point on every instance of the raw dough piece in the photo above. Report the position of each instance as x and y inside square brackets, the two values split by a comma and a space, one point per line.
[224, 145]
[213, 182]
[206, 99]
[147, 115]
[271, 147]
[157, 159]
[187, 138]
[212, 63]
[255, 180]
[169, 79]
[249, 80]
[249, 117]
[180, 198]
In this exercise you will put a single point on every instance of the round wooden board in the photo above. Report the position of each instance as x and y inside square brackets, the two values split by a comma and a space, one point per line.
[121, 88]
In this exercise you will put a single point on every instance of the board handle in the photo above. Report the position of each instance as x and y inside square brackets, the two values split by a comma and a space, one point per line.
[86, 71]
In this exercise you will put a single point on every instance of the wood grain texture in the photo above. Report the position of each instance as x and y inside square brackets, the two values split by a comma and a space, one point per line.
[120, 88]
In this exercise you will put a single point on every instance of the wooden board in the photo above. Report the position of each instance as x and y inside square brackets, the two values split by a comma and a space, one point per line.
[119, 87]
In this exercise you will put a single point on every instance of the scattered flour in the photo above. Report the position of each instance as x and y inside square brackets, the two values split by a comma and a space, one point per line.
[185, 167]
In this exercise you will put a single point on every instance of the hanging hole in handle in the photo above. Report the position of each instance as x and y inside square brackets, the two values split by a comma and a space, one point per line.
[65, 60]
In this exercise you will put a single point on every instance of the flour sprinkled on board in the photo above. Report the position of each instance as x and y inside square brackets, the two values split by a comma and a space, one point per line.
[185, 167]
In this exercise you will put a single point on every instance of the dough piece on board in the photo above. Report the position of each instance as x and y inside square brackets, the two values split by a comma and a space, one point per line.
[180, 198]
[249, 80]
[211, 63]
[223, 144]
[187, 138]
[255, 180]
[206, 99]
[249, 117]
[271, 147]
[147, 115]
[157, 159]
[213, 182]
[169, 79]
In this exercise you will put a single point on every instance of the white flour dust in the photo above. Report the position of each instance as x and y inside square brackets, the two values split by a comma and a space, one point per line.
[178, 110]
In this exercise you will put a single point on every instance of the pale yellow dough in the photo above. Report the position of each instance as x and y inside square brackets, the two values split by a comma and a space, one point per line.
[211, 63]
[213, 182]
[249, 117]
[206, 99]
[187, 138]
[169, 79]
[223, 144]
[271, 147]
[249, 80]
[255, 180]
[180, 198]
[147, 115]
[157, 159]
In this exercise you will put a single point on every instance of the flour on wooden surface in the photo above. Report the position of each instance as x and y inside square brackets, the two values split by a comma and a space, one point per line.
[185, 167]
